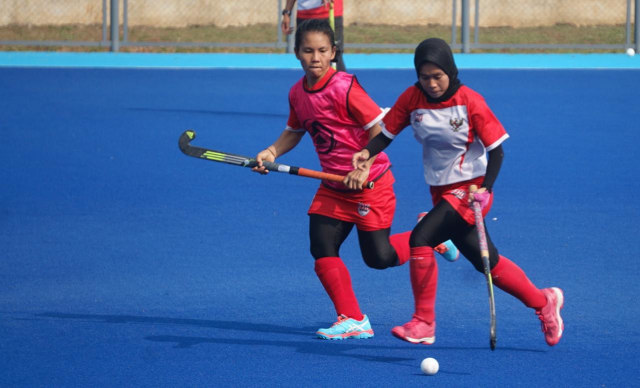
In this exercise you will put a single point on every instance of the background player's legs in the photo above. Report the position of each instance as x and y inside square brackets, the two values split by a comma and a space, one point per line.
[339, 33]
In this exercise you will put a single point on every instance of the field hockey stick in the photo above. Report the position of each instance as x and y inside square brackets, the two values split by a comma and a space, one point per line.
[332, 23]
[243, 161]
[484, 252]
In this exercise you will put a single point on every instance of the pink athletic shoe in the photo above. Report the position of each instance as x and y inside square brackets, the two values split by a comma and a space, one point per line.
[416, 331]
[552, 324]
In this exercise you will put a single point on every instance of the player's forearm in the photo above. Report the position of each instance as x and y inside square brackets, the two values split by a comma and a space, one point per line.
[289, 5]
[286, 142]
[496, 156]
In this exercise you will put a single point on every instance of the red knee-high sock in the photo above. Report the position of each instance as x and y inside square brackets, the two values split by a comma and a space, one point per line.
[424, 282]
[512, 279]
[400, 242]
[335, 278]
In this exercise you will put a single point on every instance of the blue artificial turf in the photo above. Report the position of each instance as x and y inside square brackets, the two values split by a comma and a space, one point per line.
[125, 262]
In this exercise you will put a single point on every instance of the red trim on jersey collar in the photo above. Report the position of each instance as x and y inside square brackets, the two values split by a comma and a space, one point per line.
[321, 83]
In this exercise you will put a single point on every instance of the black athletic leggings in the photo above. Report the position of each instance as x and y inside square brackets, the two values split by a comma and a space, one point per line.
[327, 234]
[443, 223]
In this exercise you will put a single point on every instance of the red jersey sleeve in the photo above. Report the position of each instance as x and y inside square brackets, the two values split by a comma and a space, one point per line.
[486, 124]
[361, 107]
[399, 117]
[292, 122]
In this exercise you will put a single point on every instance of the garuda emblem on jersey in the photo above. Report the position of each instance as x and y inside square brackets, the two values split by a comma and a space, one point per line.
[363, 209]
[456, 124]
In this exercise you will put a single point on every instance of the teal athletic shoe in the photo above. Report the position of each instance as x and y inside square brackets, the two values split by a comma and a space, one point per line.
[447, 249]
[346, 328]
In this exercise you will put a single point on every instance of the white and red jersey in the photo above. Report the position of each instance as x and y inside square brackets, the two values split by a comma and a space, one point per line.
[337, 114]
[455, 134]
[318, 9]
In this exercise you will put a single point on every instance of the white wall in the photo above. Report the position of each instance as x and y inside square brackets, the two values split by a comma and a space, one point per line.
[177, 13]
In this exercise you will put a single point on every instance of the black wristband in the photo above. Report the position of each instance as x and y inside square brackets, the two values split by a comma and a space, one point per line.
[286, 12]
[377, 144]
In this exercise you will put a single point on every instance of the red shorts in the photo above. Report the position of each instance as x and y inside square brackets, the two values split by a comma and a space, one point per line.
[369, 209]
[457, 194]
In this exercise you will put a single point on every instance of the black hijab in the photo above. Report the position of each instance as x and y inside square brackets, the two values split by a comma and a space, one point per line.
[438, 52]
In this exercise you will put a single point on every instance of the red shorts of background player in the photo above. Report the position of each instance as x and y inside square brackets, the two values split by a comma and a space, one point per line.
[369, 209]
[457, 194]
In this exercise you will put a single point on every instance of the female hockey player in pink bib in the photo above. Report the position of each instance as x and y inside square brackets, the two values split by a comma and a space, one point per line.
[341, 118]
